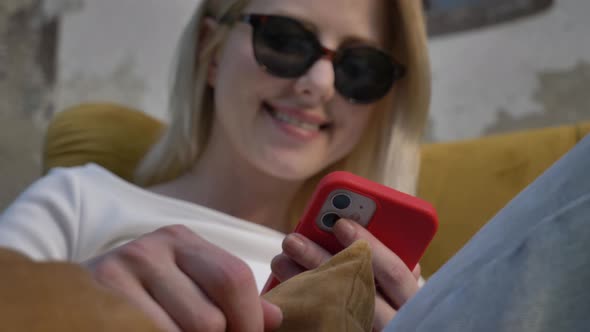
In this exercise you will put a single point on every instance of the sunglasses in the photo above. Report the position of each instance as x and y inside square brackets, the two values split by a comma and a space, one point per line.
[285, 48]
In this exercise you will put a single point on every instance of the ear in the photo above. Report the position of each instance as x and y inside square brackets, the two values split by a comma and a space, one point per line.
[206, 32]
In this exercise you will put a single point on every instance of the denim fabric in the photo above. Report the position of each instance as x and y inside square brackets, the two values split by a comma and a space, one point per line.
[528, 269]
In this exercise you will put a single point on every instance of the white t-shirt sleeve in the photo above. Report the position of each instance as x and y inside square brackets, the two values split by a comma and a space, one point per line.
[43, 221]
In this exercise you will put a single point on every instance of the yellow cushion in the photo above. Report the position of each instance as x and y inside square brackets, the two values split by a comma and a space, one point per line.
[110, 135]
[469, 181]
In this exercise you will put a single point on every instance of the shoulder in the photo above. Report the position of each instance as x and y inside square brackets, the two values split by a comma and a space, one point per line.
[77, 187]
[88, 171]
[90, 177]
[65, 175]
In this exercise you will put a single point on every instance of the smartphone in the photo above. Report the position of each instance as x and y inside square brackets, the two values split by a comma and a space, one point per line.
[403, 223]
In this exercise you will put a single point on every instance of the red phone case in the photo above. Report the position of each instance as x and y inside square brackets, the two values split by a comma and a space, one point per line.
[403, 223]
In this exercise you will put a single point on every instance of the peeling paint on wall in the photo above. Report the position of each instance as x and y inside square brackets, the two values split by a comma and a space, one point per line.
[52, 9]
[27, 75]
[139, 34]
[11, 7]
[28, 54]
[20, 164]
[525, 74]
[563, 95]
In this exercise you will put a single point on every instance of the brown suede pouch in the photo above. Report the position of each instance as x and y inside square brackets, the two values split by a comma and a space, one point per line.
[337, 296]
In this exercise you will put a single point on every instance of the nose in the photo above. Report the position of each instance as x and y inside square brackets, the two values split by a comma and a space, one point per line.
[317, 84]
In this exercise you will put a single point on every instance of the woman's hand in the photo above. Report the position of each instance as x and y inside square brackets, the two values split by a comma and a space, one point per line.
[185, 283]
[396, 283]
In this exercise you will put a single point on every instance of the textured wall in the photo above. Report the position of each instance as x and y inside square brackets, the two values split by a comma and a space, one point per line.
[120, 51]
[532, 72]
[27, 73]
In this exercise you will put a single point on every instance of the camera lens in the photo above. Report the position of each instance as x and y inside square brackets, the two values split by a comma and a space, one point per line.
[341, 201]
[329, 219]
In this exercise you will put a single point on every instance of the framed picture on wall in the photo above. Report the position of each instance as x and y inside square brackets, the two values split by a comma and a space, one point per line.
[448, 16]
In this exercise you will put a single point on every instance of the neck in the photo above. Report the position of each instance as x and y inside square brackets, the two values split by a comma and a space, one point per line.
[224, 182]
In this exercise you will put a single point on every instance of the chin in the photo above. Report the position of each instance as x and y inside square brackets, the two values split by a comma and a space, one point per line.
[292, 174]
[289, 169]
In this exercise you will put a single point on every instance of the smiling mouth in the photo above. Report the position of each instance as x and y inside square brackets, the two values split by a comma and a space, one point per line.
[293, 121]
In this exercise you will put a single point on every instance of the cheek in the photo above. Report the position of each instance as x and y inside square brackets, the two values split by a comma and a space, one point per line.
[235, 62]
[240, 81]
[358, 121]
[361, 122]
[357, 126]
[233, 68]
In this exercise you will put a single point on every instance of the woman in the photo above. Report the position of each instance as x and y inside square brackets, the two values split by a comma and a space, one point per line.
[269, 96]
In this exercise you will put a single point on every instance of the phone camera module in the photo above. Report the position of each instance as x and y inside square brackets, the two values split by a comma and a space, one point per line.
[329, 219]
[341, 201]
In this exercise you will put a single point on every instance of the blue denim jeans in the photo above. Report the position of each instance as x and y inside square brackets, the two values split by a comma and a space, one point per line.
[528, 269]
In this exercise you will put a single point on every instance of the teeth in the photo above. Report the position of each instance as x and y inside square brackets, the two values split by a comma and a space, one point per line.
[292, 121]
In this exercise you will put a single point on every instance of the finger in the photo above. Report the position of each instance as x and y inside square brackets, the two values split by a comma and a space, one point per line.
[417, 271]
[184, 302]
[384, 313]
[391, 272]
[152, 260]
[228, 282]
[305, 252]
[284, 268]
[113, 275]
[273, 316]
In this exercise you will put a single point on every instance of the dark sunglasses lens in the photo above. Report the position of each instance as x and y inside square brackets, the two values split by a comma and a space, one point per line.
[284, 47]
[364, 74]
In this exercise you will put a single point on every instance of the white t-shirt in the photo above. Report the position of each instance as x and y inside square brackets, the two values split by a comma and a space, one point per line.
[77, 213]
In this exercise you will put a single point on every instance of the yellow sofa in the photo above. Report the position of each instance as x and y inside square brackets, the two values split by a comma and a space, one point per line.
[467, 181]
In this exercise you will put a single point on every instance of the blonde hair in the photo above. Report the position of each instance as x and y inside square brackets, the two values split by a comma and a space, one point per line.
[388, 153]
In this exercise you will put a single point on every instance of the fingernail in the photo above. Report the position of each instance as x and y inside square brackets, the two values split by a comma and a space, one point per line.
[293, 244]
[344, 230]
